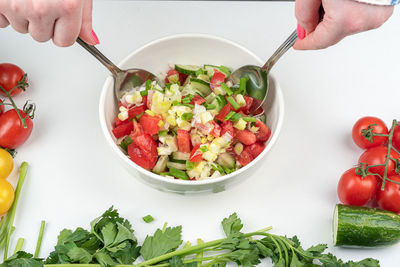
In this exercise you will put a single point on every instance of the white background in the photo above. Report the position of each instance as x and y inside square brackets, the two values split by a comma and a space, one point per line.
[73, 177]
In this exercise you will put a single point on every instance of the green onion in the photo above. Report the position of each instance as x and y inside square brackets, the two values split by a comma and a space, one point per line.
[233, 102]
[178, 173]
[227, 170]
[177, 103]
[189, 165]
[204, 149]
[162, 133]
[226, 88]
[235, 117]
[210, 106]
[140, 115]
[249, 119]
[230, 114]
[242, 87]
[221, 101]
[144, 93]
[187, 116]
[225, 70]
[125, 143]
[173, 132]
[217, 167]
[187, 99]
[148, 85]
[148, 218]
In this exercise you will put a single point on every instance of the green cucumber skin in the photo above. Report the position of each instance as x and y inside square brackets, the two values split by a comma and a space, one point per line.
[366, 227]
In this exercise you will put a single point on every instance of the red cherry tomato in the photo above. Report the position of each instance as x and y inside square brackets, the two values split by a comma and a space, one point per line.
[355, 190]
[375, 125]
[255, 149]
[123, 129]
[263, 132]
[150, 123]
[133, 112]
[183, 141]
[377, 156]
[249, 102]
[245, 136]
[12, 132]
[396, 138]
[223, 112]
[10, 75]
[244, 158]
[389, 198]
[197, 100]
[227, 127]
[175, 74]
[143, 151]
[217, 79]
[196, 155]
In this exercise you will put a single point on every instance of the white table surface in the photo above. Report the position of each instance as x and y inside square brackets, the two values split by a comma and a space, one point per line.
[73, 178]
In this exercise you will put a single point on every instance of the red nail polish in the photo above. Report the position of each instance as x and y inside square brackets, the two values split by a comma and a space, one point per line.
[301, 33]
[95, 38]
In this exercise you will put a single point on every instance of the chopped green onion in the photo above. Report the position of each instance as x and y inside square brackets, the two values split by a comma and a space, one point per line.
[188, 105]
[225, 70]
[162, 133]
[217, 167]
[125, 143]
[204, 149]
[189, 165]
[148, 219]
[139, 115]
[235, 117]
[249, 119]
[210, 106]
[230, 114]
[233, 102]
[187, 99]
[221, 101]
[173, 132]
[176, 103]
[148, 85]
[144, 93]
[242, 86]
[227, 170]
[187, 116]
[226, 88]
[178, 173]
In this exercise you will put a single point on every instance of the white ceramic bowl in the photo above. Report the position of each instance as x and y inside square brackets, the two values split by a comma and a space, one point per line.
[195, 49]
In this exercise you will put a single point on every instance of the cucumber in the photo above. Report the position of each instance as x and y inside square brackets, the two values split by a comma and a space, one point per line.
[226, 160]
[161, 164]
[187, 69]
[210, 98]
[179, 166]
[365, 227]
[210, 70]
[180, 156]
[201, 86]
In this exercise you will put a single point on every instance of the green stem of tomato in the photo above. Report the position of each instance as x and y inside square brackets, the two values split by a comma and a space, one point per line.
[23, 120]
[390, 147]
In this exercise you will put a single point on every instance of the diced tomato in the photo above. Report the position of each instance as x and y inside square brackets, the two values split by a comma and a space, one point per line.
[245, 136]
[137, 130]
[144, 101]
[149, 98]
[122, 105]
[223, 112]
[197, 100]
[123, 129]
[258, 111]
[244, 158]
[255, 149]
[143, 151]
[227, 127]
[217, 79]
[216, 131]
[196, 155]
[118, 122]
[249, 102]
[183, 141]
[133, 112]
[150, 123]
[263, 132]
[182, 77]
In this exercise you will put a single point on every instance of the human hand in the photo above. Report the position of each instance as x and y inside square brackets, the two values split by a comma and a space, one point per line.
[60, 20]
[341, 18]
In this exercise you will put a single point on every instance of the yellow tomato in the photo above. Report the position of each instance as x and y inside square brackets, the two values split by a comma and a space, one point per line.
[6, 164]
[6, 196]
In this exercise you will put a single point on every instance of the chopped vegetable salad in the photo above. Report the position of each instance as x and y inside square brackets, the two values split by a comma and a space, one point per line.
[198, 126]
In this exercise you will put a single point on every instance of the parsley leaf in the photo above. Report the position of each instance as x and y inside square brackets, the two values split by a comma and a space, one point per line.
[161, 242]
[22, 259]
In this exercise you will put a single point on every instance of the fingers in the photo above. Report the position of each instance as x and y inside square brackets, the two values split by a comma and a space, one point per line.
[307, 13]
[3, 21]
[86, 33]
[67, 27]
[41, 21]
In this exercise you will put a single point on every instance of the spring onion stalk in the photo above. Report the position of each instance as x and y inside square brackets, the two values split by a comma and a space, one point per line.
[40, 238]
[210, 106]
[249, 119]
[178, 173]
[230, 114]
[187, 116]
[233, 102]
[242, 85]
[226, 88]
[9, 233]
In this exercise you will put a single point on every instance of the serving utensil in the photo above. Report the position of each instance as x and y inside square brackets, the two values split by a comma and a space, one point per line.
[257, 84]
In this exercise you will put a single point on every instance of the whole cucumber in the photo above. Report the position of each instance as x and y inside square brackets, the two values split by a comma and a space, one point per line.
[365, 227]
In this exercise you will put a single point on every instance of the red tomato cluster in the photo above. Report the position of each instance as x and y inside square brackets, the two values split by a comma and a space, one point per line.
[12, 131]
[360, 186]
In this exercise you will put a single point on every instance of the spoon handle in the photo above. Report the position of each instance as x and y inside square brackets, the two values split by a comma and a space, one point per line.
[280, 51]
[97, 54]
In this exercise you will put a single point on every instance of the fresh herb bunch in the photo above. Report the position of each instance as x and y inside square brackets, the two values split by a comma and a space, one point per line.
[111, 242]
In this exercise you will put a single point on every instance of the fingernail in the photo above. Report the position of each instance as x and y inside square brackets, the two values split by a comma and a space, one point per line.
[301, 33]
[95, 38]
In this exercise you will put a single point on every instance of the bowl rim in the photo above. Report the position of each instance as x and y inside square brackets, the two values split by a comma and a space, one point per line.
[189, 183]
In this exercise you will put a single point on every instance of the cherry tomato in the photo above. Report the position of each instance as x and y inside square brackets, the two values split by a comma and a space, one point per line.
[10, 75]
[196, 155]
[6, 163]
[389, 198]
[143, 151]
[376, 125]
[217, 79]
[263, 132]
[133, 112]
[249, 103]
[1, 107]
[12, 132]
[376, 156]
[216, 131]
[396, 138]
[244, 158]
[172, 73]
[223, 112]
[123, 129]
[227, 127]
[246, 137]
[150, 123]
[197, 100]
[6, 196]
[355, 190]
[183, 141]
[255, 149]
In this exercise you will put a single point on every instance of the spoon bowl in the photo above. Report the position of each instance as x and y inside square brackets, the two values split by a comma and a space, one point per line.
[257, 77]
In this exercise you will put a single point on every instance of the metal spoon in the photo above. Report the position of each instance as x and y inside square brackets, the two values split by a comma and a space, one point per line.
[257, 84]
[124, 80]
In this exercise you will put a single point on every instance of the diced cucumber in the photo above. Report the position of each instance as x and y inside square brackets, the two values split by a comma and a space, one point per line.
[226, 160]
[201, 86]
[210, 70]
[176, 165]
[365, 227]
[161, 164]
[187, 69]
[180, 155]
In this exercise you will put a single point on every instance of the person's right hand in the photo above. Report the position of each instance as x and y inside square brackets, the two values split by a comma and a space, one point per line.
[341, 18]
[60, 20]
